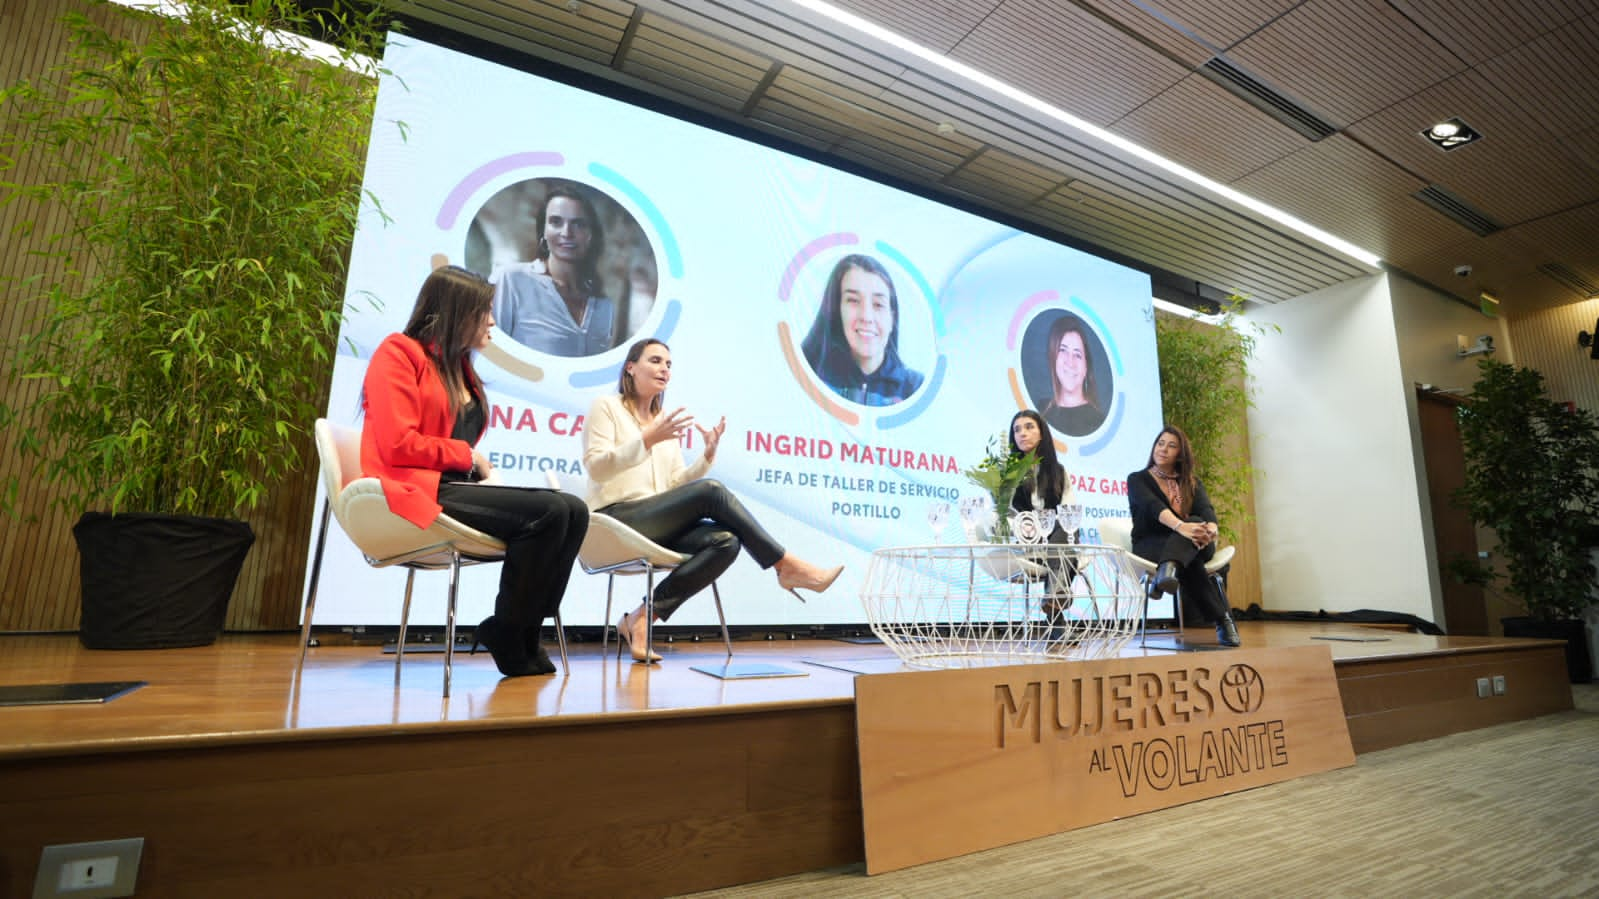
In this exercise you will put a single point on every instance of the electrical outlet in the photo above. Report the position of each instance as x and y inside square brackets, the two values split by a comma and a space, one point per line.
[1484, 688]
[1499, 685]
[99, 870]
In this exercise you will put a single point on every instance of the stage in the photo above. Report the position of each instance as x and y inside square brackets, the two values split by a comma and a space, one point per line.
[613, 779]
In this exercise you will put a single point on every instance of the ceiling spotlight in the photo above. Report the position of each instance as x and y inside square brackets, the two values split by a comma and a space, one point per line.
[1450, 134]
[945, 128]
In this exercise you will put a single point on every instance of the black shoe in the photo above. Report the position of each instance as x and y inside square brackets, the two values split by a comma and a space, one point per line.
[540, 663]
[1226, 631]
[1166, 578]
[538, 658]
[510, 656]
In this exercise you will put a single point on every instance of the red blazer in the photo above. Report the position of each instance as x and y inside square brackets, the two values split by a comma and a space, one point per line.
[406, 441]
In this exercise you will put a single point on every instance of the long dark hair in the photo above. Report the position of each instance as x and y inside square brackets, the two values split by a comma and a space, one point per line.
[1050, 480]
[449, 311]
[825, 347]
[624, 381]
[1071, 324]
[1184, 467]
[588, 273]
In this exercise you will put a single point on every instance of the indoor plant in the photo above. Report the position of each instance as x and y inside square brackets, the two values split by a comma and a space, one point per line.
[999, 473]
[1204, 389]
[1532, 475]
[204, 181]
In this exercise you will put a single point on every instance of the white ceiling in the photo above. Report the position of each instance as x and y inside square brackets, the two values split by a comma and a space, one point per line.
[1373, 72]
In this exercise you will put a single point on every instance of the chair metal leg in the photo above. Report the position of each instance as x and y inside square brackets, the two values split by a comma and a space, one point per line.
[1143, 628]
[560, 638]
[405, 619]
[726, 639]
[316, 579]
[605, 623]
[449, 618]
[649, 613]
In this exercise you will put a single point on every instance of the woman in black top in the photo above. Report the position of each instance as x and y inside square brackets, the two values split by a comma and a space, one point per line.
[1046, 487]
[1175, 524]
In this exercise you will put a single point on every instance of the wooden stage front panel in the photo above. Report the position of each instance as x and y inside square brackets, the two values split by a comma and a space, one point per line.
[613, 780]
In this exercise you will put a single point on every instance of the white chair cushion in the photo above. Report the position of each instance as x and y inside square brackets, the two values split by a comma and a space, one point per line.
[386, 538]
[610, 542]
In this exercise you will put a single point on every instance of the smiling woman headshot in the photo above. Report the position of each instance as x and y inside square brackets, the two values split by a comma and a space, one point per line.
[853, 345]
[1074, 405]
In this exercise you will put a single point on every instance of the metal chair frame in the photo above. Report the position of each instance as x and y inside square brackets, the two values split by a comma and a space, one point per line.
[442, 553]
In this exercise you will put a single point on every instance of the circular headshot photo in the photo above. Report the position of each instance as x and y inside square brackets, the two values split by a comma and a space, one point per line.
[857, 343]
[573, 272]
[1066, 372]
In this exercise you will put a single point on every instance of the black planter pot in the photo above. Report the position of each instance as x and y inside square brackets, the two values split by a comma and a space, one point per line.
[1579, 665]
[157, 581]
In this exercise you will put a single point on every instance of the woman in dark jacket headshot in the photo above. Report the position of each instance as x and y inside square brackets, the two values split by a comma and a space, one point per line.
[854, 343]
[1174, 524]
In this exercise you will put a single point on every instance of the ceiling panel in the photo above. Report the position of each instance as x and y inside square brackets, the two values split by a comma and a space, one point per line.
[1346, 58]
[1222, 23]
[936, 24]
[1554, 78]
[1203, 127]
[1515, 173]
[1382, 69]
[1338, 186]
[1068, 57]
[1479, 30]
[1142, 22]
[1013, 180]
[714, 71]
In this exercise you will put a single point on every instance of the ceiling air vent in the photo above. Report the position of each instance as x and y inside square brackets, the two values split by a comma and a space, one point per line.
[1464, 214]
[1257, 94]
[1569, 278]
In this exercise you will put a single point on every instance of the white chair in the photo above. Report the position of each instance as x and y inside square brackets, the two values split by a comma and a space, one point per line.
[386, 539]
[1118, 532]
[612, 548]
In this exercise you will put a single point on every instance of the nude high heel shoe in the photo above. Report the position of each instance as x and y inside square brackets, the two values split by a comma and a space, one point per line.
[797, 575]
[639, 650]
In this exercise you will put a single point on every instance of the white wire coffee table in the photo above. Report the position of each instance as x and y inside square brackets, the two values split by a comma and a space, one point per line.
[972, 605]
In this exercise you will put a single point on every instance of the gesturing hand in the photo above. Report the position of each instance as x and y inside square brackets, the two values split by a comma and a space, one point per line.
[666, 426]
[712, 436]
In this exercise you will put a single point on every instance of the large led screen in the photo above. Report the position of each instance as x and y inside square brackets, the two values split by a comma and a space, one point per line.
[725, 250]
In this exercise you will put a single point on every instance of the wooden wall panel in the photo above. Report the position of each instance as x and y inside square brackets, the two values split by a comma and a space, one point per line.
[1547, 340]
[636, 807]
[38, 560]
[1391, 703]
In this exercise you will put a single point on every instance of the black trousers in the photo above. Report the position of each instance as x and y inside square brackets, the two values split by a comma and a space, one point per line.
[704, 521]
[1197, 587]
[542, 530]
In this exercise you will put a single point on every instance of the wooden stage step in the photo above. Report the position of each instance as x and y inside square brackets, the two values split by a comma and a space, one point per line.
[614, 779]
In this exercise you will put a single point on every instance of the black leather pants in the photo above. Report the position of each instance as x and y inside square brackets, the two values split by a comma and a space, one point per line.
[703, 520]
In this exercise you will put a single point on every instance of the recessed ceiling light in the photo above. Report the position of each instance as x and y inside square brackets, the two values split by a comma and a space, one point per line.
[1450, 134]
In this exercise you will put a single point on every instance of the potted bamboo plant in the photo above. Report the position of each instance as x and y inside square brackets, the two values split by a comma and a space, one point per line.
[1532, 475]
[200, 183]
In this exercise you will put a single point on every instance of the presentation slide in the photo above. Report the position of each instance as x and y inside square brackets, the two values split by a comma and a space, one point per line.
[771, 278]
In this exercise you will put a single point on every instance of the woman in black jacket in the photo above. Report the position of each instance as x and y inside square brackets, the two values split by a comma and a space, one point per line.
[1174, 524]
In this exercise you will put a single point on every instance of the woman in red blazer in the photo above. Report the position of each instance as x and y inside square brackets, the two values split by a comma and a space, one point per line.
[425, 411]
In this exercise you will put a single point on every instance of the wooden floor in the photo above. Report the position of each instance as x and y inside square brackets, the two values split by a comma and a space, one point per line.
[248, 779]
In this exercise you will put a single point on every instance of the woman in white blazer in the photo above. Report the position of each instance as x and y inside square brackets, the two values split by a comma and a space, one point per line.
[637, 476]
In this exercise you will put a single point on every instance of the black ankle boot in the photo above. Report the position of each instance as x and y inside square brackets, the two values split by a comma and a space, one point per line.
[1226, 631]
[538, 659]
[510, 656]
[1166, 578]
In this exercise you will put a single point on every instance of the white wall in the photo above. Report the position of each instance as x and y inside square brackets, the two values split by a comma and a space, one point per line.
[1428, 326]
[1336, 493]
